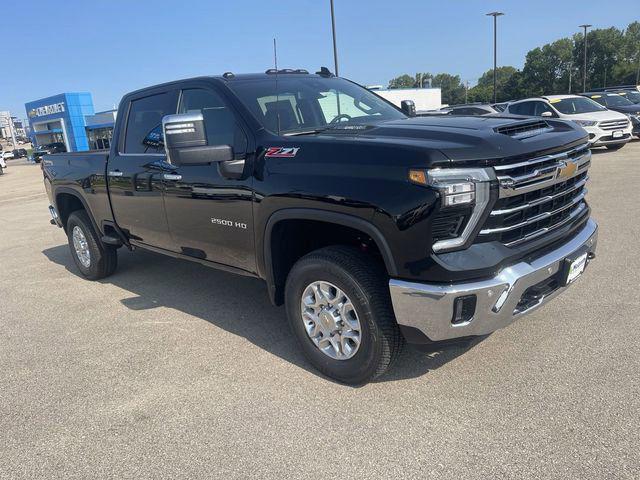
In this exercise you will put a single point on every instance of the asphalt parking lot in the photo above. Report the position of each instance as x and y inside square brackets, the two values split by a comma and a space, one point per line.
[168, 369]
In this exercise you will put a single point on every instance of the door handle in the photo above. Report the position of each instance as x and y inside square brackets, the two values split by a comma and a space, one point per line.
[115, 173]
[171, 176]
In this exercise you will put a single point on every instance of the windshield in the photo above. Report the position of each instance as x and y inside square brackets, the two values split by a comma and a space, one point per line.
[575, 105]
[633, 97]
[303, 104]
[617, 101]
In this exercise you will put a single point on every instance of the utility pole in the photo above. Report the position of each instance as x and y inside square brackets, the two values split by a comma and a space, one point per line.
[584, 66]
[466, 91]
[570, 72]
[335, 47]
[495, 16]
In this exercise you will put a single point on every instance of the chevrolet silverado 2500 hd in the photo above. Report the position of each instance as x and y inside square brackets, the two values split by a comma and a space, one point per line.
[372, 227]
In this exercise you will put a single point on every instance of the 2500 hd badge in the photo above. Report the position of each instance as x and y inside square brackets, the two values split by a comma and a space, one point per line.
[228, 223]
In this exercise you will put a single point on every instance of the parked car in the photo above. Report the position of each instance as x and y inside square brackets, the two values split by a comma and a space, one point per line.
[20, 153]
[472, 109]
[7, 154]
[48, 149]
[372, 227]
[606, 128]
[3, 164]
[618, 103]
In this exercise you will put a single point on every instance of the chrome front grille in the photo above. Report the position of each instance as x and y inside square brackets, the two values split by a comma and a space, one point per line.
[537, 196]
[614, 124]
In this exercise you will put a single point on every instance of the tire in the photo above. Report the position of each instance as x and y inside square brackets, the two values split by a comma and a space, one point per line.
[365, 284]
[617, 146]
[102, 259]
[1, 171]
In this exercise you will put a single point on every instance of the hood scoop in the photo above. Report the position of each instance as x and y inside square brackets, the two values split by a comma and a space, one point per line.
[525, 129]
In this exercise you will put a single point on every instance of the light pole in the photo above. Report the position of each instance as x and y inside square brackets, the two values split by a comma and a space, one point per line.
[584, 67]
[335, 48]
[495, 16]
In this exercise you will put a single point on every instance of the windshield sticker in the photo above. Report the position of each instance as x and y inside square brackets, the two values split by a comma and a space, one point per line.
[281, 152]
[596, 96]
[555, 100]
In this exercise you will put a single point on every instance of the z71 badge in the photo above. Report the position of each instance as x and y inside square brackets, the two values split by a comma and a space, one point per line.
[281, 152]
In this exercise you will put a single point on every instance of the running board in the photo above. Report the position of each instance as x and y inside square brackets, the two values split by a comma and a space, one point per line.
[114, 241]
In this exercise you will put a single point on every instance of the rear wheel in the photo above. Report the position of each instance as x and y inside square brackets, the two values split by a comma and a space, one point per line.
[339, 308]
[94, 259]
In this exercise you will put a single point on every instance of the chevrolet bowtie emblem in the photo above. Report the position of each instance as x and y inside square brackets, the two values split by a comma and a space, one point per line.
[568, 170]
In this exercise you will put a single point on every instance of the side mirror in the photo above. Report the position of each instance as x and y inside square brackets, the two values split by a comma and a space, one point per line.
[408, 107]
[185, 141]
[546, 114]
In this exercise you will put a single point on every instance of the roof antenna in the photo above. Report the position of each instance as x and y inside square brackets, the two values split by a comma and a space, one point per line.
[275, 64]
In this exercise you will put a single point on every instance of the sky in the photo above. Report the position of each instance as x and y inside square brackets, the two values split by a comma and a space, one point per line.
[111, 47]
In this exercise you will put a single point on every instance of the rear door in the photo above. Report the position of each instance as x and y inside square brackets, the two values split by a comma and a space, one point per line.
[209, 214]
[136, 171]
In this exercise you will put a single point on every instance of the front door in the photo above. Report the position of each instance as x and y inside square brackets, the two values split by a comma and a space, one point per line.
[136, 172]
[209, 215]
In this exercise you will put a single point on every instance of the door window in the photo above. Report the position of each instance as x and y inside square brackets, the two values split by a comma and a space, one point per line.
[541, 107]
[144, 125]
[219, 121]
[524, 108]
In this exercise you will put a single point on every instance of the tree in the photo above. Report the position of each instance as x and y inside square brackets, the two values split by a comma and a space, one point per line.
[483, 91]
[450, 86]
[403, 81]
[613, 59]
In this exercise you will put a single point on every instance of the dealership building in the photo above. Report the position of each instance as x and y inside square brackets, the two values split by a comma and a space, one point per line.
[70, 118]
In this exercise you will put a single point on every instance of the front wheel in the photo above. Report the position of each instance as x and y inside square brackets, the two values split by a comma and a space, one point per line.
[339, 308]
[94, 259]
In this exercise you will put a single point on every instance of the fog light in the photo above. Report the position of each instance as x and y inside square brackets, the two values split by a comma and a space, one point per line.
[464, 309]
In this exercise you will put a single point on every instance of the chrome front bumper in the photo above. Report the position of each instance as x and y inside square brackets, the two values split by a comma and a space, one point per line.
[429, 308]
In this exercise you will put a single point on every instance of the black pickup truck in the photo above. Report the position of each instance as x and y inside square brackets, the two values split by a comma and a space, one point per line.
[372, 227]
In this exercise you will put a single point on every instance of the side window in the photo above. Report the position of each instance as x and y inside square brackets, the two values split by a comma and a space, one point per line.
[144, 125]
[542, 107]
[525, 108]
[219, 121]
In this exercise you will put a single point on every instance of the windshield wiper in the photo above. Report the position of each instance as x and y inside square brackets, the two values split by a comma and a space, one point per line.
[305, 132]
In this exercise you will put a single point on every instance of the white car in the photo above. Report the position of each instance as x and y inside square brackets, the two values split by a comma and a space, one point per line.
[7, 154]
[606, 128]
[3, 164]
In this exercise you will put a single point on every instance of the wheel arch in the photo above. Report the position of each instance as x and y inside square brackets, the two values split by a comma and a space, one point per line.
[266, 253]
[67, 201]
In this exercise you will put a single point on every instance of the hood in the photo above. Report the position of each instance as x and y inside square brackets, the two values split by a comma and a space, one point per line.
[474, 138]
[628, 109]
[598, 116]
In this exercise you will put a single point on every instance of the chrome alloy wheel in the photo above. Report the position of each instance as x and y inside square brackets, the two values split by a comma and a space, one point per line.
[330, 320]
[81, 246]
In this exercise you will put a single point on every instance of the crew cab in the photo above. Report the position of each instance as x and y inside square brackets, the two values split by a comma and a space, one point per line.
[373, 228]
[606, 128]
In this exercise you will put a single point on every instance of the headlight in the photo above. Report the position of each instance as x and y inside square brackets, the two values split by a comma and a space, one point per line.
[586, 123]
[458, 187]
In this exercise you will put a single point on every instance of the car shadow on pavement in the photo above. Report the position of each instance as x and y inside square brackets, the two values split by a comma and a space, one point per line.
[237, 304]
